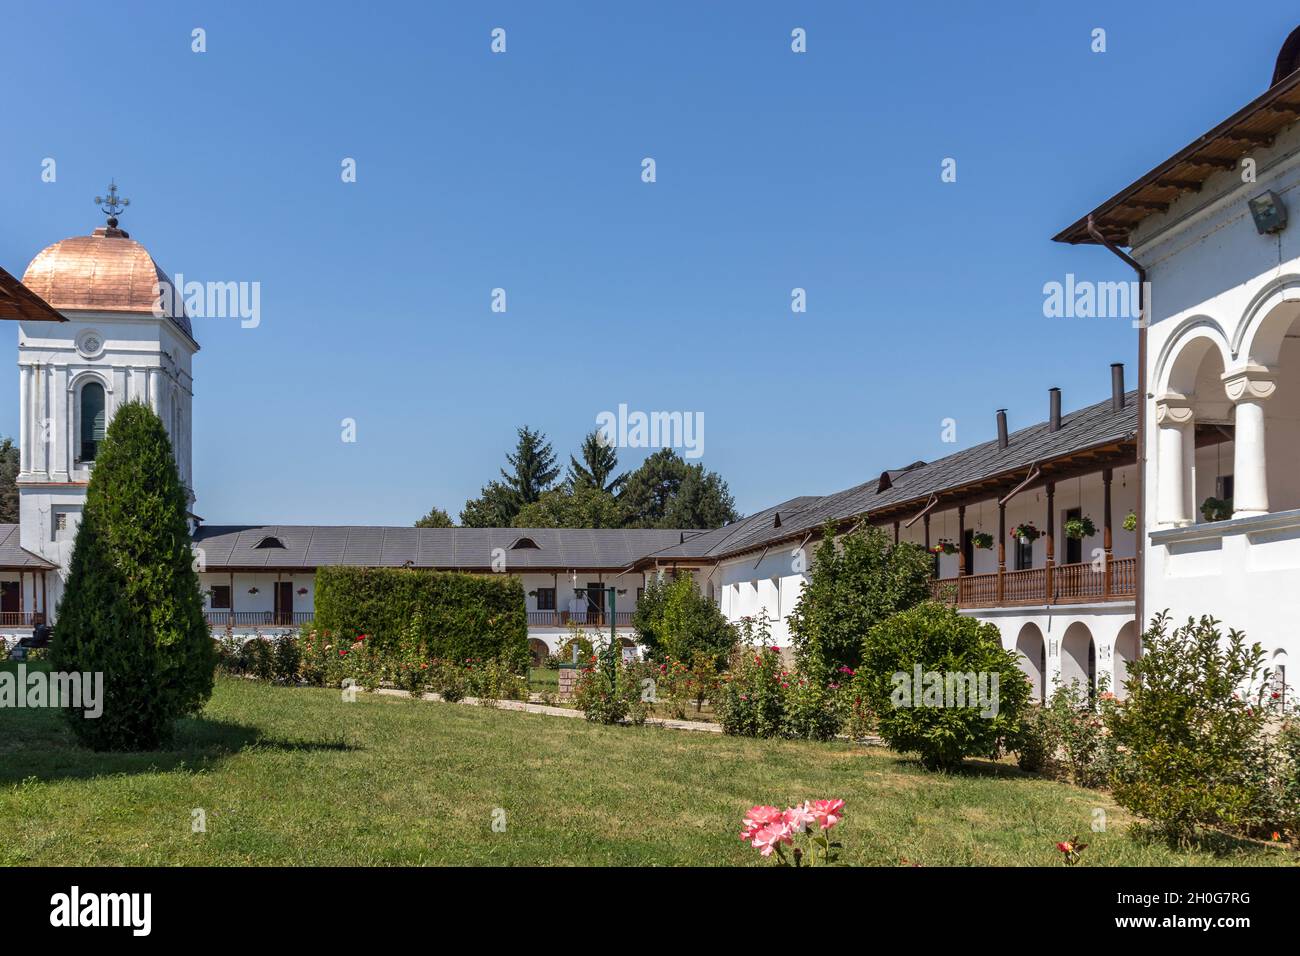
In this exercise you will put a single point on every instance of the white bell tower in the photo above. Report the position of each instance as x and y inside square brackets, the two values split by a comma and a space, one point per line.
[122, 341]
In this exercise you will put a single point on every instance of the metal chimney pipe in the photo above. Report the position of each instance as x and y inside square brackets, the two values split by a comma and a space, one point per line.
[1002, 429]
[1116, 386]
[1054, 409]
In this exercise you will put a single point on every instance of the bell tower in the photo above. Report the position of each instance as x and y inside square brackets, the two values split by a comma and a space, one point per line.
[126, 337]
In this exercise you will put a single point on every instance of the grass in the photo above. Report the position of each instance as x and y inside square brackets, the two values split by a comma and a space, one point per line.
[298, 776]
[544, 679]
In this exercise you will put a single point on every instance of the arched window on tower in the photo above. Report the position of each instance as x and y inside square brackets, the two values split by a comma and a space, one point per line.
[92, 420]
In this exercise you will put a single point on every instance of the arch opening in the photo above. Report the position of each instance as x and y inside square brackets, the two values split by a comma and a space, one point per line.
[1033, 658]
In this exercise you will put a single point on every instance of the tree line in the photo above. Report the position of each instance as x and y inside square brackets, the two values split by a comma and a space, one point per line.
[665, 491]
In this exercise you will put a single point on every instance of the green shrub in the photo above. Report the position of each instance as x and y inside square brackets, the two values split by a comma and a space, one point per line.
[679, 686]
[751, 700]
[1193, 751]
[1286, 777]
[286, 659]
[1037, 742]
[675, 621]
[458, 616]
[1085, 752]
[958, 658]
[604, 703]
[449, 681]
[856, 581]
[811, 710]
[132, 609]
[857, 719]
[578, 639]
[258, 660]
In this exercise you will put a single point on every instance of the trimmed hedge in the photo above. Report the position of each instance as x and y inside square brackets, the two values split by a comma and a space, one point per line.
[450, 615]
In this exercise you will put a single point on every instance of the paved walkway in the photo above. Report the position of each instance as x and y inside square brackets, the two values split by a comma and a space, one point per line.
[702, 726]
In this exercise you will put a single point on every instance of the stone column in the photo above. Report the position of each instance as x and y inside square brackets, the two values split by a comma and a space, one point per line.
[1248, 389]
[1174, 443]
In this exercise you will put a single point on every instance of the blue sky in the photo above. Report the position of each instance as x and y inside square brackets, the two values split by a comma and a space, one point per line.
[522, 171]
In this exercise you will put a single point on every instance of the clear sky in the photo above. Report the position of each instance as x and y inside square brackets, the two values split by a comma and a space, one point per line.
[522, 171]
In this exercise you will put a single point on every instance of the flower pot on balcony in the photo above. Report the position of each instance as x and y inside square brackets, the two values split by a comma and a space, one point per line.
[1216, 509]
[1079, 528]
[1025, 533]
[982, 540]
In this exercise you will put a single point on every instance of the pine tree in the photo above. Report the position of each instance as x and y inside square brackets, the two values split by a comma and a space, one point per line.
[599, 460]
[132, 609]
[532, 468]
[9, 464]
[436, 518]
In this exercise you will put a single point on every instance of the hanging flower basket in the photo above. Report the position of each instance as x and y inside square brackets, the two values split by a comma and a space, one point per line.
[982, 540]
[1079, 528]
[1025, 533]
[1130, 521]
[1216, 509]
[945, 546]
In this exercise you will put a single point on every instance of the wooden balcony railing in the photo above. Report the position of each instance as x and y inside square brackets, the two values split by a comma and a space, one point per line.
[1070, 583]
[17, 618]
[589, 618]
[258, 618]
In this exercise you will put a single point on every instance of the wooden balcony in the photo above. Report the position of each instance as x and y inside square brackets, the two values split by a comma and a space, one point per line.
[17, 618]
[258, 618]
[587, 619]
[1061, 584]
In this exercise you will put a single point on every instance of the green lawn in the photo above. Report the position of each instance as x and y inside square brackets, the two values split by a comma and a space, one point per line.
[298, 776]
[542, 679]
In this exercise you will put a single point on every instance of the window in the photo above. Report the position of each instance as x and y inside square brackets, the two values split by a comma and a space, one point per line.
[92, 420]
[1024, 555]
[1223, 487]
[60, 521]
[640, 592]
[546, 599]
[525, 544]
[269, 542]
[220, 597]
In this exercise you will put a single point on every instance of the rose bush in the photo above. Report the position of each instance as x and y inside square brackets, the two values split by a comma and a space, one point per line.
[770, 831]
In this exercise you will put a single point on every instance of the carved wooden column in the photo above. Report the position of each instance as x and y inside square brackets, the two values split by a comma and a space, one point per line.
[1050, 563]
[1106, 476]
[1002, 548]
[961, 541]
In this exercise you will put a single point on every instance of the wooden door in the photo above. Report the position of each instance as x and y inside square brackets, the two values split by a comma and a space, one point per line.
[283, 602]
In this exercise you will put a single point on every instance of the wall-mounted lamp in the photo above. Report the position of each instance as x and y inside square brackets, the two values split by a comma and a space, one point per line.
[1268, 212]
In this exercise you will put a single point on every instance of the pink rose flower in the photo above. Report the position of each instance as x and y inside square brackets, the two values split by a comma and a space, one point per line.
[827, 812]
[799, 818]
[759, 817]
[767, 838]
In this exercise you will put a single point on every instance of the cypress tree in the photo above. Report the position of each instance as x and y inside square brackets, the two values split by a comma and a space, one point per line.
[132, 609]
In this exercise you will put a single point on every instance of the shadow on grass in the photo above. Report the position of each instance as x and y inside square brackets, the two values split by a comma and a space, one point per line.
[44, 748]
[972, 767]
[1215, 842]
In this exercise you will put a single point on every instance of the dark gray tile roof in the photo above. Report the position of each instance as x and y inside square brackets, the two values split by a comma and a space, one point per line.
[12, 555]
[1086, 428]
[310, 546]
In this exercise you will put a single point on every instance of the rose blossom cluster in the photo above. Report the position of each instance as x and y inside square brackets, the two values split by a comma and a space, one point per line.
[768, 829]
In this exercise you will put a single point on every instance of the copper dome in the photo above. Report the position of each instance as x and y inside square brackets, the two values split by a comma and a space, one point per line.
[106, 271]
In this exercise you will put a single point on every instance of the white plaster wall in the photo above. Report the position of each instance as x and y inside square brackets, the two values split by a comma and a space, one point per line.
[1213, 277]
[142, 358]
[1103, 623]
